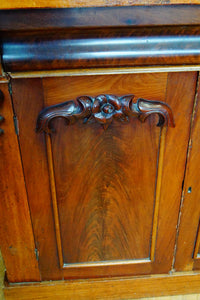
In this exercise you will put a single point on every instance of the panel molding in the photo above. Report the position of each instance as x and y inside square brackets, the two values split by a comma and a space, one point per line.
[57, 223]
[87, 107]
[103, 71]
[158, 190]
[54, 198]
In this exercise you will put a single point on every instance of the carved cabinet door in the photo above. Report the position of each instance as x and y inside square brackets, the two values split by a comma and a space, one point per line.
[104, 169]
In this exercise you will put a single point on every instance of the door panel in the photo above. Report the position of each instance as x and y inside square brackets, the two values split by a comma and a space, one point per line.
[104, 202]
[100, 177]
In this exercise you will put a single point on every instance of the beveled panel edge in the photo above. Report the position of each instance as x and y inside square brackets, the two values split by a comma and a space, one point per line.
[63, 265]
[103, 71]
[197, 244]
[119, 262]
[54, 199]
[158, 191]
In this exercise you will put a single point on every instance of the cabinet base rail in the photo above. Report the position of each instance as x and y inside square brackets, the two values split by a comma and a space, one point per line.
[109, 288]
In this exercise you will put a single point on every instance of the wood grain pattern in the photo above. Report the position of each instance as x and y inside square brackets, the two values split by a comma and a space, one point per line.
[89, 232]
[87, 3]
[48, 19]
[61, 89]
[28, 96]
[180, 86]
[110, 202]
[28, 92]
[56, 91]
[190, 210]
[98, 199]
[121, 288]
[65, 88]
[16, 235]
[84, 109]
[100, 48]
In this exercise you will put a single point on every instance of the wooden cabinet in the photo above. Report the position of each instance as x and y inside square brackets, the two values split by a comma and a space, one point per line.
[101, 163]
[100, 194]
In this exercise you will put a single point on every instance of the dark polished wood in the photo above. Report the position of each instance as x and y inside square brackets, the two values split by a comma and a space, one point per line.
[98, 48]
[1, 116]
[103, 109]
[94, 196]
[99, 17]
[88, 203]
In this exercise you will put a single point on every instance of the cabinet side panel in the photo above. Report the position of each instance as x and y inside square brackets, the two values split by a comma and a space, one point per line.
[17, 242]
[190, 209]
[28, 101]
[180, 96]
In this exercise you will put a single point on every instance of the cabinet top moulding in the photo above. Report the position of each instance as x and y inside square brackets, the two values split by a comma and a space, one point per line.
[96, 17]
[10, 4]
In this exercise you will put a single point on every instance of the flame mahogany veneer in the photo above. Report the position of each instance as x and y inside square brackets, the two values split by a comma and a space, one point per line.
[100, 207]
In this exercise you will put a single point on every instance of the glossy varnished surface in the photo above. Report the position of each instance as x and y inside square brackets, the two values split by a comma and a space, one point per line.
[188, 238]
[103, 203]
[180, 86]
[91, 37]
[112, 192]
[111, 288]
[114, 47]
[108, 206]
[104, 109]
[100, 177]
[38, 188]
[44, 19]
[16, 235]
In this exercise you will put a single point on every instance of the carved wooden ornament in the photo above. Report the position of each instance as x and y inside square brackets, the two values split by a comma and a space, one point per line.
[103, 109]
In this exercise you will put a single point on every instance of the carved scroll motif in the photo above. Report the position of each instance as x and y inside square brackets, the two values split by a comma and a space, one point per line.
[103, 109]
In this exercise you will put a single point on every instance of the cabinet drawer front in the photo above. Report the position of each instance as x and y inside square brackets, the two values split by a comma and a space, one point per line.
[104, 200]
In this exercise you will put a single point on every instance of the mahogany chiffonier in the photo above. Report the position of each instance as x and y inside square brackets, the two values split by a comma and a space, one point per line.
[100, 148]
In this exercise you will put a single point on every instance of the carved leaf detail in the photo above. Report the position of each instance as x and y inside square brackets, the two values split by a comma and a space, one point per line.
[103, 109]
